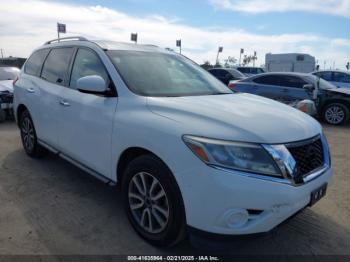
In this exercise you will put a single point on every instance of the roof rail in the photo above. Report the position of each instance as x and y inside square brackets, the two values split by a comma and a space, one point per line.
[80, 38]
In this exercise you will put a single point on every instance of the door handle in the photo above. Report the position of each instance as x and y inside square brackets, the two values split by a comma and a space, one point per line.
[30, 90]
[64, 103]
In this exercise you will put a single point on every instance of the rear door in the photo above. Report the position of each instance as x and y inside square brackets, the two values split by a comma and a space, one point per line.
[293, 88]
[269, 86]
[54, 78]
[85, 125]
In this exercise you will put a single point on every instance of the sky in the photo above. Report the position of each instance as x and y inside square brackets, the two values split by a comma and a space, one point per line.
[318, 27]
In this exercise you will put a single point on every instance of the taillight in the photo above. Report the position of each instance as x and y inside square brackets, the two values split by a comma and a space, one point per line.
[232, 85]
[14, 81]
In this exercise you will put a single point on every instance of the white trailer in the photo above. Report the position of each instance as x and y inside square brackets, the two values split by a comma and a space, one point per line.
[293, 62]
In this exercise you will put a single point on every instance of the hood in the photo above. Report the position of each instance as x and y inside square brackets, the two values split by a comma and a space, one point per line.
[237, 117]
[6, 85]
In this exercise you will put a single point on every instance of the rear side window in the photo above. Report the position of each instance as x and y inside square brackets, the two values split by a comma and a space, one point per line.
[56, 65]
[268, 80]
[292, 81]
[326, 75]
[87, 63]
[35, 61]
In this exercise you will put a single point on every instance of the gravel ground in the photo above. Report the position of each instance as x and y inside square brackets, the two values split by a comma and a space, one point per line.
[48, 206]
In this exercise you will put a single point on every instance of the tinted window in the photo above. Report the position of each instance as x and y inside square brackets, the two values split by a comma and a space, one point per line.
[245, 70]
[163, 74]
[341, 77]
[268, 80]
[35, 61]
[236, 73]
[292, 81]
[325, 75]
[87, 63]
[56, 65]
[281, 80]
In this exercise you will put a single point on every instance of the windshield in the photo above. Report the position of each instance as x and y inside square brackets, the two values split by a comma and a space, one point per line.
[162, 74]
[8, 73]
[323, 83]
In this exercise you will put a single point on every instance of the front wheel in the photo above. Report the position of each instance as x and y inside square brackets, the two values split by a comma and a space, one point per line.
[336, 114]
[153, 201]
[28, 136]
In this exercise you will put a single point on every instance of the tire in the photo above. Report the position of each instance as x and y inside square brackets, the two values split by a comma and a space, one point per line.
[2, 115]
[336, 114]
[169, 222]
[28, 136]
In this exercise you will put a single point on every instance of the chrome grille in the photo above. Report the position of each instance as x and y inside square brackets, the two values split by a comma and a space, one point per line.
[308, 156]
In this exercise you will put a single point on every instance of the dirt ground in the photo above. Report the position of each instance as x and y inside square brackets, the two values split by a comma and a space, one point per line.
[48, 206]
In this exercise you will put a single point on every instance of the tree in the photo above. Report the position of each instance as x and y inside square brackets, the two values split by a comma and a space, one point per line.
[230, 61]
[206, 65]
[348, 66]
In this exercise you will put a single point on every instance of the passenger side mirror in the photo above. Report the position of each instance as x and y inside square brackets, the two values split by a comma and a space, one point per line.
[93, 84]
[309, 87]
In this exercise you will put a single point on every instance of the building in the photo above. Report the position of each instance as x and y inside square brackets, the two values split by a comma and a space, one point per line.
[292, 62]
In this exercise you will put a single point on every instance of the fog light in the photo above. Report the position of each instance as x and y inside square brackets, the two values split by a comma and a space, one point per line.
[236, 218]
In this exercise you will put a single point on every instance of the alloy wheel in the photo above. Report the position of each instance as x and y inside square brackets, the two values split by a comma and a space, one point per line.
[334, 115]
[148, 203]
[28, 134]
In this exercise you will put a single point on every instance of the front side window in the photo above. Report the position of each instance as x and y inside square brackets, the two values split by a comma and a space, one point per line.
[163, 74]
[35, 62]
[56, 65]
[341, 77]
[87, 63]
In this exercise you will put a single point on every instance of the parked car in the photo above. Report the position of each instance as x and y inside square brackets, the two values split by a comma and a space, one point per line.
[173, 136]
[250, 71]
[332, 103]
[7, 76]
[225, 75]
[336, 77]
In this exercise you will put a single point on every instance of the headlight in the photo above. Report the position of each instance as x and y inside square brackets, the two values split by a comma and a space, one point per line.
[240, 156]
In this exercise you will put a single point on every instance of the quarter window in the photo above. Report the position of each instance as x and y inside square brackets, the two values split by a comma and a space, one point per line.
[56, 65]
[35, 61]
[87, 63]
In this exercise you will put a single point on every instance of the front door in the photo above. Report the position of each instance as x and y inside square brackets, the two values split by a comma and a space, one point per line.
[85, 125]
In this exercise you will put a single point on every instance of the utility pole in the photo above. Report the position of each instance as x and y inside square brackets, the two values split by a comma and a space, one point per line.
[219, 51]
[179, 44]
[254, 58]
[2, 54]
[240, 55]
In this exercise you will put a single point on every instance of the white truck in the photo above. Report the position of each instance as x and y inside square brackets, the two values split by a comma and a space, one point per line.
[292, 62]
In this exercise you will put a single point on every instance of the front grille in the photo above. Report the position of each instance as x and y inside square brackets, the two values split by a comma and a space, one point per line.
[6, 98]
[308, 156]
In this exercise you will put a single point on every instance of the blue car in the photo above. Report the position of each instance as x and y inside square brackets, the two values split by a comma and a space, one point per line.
[332, 103]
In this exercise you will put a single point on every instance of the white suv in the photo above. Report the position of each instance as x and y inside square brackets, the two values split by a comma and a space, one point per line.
[190, 154]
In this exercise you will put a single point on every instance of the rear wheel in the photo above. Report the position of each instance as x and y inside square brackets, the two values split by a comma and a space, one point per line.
[336, 114]
[28, 136]
[153, 201]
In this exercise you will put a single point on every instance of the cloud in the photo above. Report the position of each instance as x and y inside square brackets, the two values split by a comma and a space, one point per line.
[333, 7]
[25, 25]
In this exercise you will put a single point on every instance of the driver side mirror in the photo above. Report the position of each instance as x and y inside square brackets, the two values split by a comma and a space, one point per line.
[93, 84]
[309, 87]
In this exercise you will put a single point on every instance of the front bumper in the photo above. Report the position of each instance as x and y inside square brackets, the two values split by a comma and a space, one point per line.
[213, 203]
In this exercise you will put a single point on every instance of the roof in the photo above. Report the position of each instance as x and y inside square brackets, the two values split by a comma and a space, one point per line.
[341, 71]
[104, 44]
